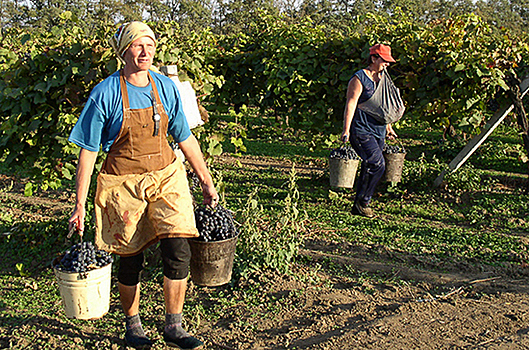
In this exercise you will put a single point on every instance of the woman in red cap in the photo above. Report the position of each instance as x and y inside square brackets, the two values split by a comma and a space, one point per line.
[365, 133]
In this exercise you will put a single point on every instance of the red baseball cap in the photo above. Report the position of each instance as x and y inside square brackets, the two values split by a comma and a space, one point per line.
[383, 51]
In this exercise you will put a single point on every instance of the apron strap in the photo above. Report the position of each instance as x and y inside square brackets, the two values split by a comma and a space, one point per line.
[124, 92]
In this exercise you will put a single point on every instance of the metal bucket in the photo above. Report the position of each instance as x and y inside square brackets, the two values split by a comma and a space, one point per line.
[85, 295]
[212, 262]
[394, 165]
[342, 172]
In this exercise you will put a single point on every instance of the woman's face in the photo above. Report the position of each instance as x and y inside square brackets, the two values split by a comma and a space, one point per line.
[140, 54]
[380, 64]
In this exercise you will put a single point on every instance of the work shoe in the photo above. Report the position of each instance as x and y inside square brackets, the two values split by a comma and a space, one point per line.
[359, 209]
[186, 343]
[137, 342]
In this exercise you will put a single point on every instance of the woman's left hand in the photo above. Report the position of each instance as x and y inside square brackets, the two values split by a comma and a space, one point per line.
[211, 197]
[390, 133]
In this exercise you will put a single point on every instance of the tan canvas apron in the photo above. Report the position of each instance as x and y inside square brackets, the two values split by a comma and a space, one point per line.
[142, 192]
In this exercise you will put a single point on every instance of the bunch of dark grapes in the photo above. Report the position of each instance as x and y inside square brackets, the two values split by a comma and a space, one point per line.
[83, 257]
[344, 152]
[391, 149]
[195, 182]
[214, 224]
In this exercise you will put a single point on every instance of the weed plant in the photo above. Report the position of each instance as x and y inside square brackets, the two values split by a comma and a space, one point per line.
[270, 240]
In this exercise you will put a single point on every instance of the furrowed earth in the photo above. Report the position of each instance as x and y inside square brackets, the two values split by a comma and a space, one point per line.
[339, 295]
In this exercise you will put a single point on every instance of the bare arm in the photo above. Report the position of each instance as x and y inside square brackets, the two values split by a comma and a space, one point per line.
[354, 89]
[85, 167]
[193, 154]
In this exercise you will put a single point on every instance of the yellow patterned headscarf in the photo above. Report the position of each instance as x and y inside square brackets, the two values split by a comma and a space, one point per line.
[127, 33]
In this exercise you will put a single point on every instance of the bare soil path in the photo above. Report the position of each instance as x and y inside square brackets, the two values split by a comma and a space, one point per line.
[405, 302]
[460, 306]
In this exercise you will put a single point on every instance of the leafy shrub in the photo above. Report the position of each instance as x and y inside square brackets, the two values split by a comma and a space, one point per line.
[419, 175]
[269, 242]
[42, 93]
[466, 178]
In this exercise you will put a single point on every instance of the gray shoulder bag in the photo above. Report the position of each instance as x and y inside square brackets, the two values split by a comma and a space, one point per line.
[386, 105]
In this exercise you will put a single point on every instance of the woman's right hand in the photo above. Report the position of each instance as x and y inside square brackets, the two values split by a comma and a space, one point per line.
[345, 137]
[354, 89]
[76, 222]
[85, 166]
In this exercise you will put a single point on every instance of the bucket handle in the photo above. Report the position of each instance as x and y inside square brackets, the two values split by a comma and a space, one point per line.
[75, 229]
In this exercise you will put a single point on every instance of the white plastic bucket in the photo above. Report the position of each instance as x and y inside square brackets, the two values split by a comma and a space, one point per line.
[85, 295]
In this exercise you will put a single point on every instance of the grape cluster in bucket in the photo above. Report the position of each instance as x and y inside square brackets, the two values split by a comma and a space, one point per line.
[344, 152]
[214, 224]
[83, 257]
[392, 149]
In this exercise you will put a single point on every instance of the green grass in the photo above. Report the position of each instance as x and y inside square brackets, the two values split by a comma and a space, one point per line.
[473, 219]
[478, 227]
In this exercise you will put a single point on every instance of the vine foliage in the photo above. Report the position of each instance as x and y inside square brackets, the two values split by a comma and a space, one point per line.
[452, 73]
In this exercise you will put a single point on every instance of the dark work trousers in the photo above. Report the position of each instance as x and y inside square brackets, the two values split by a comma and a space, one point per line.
[369, 148]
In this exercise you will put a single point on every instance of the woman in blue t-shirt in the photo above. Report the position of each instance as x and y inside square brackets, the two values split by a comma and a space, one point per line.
[366, 134]
[142, 195]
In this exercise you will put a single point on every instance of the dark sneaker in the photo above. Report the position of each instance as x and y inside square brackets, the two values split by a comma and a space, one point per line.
[137, 342]
[186, 343]
[359, 209]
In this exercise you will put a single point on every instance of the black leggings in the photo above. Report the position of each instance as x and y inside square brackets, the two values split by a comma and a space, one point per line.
[175, 257]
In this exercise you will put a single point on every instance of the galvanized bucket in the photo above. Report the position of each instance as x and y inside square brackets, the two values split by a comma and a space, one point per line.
[212, 262]
[342, 172]
[394, 165]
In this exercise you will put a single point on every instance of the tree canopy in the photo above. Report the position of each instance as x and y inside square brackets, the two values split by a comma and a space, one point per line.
[231, 16]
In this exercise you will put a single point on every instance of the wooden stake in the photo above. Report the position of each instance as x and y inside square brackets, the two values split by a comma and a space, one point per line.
[473, 145]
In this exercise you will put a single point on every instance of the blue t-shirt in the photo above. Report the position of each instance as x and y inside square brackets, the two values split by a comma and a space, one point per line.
[363, 123]
[102, 116]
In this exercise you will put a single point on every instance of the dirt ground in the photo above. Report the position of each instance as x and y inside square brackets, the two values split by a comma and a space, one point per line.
[395, 307]
[474, 310]
[464, 307]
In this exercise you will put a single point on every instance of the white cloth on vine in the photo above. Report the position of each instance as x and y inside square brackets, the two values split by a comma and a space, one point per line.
[189, 102]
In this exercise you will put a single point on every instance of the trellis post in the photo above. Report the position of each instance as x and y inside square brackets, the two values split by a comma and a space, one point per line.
[473, 145]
